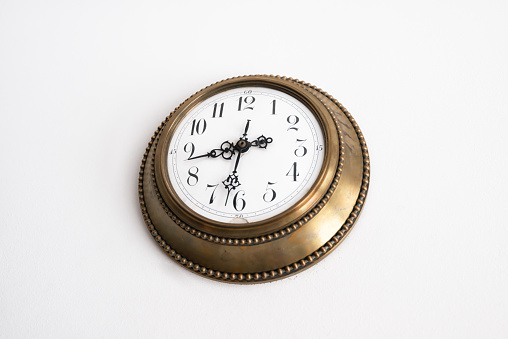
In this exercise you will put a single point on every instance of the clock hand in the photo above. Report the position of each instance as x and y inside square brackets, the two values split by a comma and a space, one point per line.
[207, 155]
[231, 181]
[246, 128]
[237, 161]
[226, 150]
[241, 146]
[261, 141]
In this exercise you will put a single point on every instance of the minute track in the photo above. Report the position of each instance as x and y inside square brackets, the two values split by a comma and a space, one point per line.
[255, 169]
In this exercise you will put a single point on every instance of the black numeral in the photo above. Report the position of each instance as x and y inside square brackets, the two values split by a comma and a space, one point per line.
[212, 197]
[270, 194]
[273, 106]
[301, 150]
[248, 101]
[199, 127]
[221, 108]
[239, 203]
[319, 148]
[189, 148]
[193, 179]
[293, 172]
[293, 120]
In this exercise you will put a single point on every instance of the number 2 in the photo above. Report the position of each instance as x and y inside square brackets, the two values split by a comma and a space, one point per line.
[293, 120]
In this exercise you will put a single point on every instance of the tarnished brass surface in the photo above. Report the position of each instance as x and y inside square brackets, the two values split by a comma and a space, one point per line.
[276, 247]
[288, 217]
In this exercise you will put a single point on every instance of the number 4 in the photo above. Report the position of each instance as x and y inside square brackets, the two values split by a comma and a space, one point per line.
[293, 172]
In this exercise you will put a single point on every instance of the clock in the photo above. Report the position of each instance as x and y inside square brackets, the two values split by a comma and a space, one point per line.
[254, 178]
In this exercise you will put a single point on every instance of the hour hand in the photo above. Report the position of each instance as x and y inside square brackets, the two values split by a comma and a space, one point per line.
[207, 155]
[226, 150]
[261, 142]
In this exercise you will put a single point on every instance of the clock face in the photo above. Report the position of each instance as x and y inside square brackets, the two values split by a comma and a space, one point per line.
[245, 155]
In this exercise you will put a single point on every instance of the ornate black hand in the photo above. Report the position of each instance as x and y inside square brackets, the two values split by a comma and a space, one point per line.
[243, 146]
[261, 142]
[246, 129]
[226, 150]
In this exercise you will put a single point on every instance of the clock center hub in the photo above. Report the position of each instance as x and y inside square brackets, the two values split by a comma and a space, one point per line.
[242, 145]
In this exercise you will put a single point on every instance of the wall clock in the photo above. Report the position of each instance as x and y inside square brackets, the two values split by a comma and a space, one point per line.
[254, 178]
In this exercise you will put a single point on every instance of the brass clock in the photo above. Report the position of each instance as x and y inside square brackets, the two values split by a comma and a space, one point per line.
[254, 178]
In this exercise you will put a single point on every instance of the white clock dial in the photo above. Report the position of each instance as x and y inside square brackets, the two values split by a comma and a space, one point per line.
[245, 155]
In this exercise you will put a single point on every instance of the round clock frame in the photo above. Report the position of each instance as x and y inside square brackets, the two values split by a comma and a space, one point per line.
[282, 245]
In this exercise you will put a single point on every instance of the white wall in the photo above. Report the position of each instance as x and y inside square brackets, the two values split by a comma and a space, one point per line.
[83, 86]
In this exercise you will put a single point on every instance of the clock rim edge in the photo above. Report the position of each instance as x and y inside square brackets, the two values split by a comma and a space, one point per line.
[327, 177]
[299, 265]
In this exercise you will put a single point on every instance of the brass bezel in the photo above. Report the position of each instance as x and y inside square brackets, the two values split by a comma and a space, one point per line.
[286, 218]
[277, 255]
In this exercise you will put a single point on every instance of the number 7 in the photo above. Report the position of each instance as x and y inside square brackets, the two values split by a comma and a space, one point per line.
[212, 197]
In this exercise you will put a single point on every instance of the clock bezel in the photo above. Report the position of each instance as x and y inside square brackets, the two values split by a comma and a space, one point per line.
[291, 215]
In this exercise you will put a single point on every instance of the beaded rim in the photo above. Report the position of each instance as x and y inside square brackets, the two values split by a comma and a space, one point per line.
[259, 239]
[283, 271]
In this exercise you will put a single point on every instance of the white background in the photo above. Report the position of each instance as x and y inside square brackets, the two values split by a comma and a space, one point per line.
[84, 85]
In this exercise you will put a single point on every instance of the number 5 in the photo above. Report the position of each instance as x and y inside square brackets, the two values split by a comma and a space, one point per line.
[270, 194]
